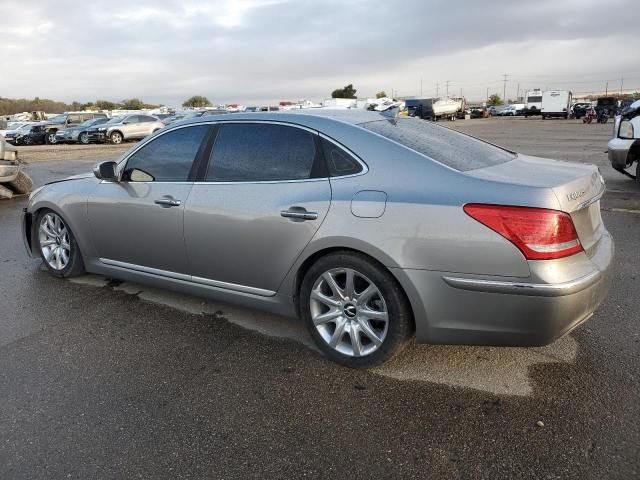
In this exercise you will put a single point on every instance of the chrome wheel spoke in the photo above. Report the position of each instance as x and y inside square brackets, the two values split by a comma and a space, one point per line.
[333, 285]
[322, 298]
[363, 297]
[338, 332]
[349, 288]
[356, 343]
[369, 332]
[323, 318]
[374, 314]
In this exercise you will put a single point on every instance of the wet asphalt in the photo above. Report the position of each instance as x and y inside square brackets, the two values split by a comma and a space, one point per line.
[96, 382]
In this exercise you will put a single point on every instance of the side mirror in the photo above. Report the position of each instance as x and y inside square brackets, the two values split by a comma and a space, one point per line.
[106, 171]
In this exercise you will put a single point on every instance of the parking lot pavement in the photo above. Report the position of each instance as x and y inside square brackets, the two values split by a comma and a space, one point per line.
[101, 379]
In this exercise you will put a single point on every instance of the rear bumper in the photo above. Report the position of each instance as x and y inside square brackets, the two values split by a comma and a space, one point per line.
[469, 310]
[618, 150]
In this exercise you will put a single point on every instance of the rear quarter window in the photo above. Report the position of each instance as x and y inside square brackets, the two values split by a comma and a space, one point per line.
[442, 144]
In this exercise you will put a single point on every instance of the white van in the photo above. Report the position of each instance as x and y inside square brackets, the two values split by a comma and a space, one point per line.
[533, 102]
[556, 103]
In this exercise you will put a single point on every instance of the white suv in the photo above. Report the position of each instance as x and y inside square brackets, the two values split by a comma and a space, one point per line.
[126, 127]
[624, 147]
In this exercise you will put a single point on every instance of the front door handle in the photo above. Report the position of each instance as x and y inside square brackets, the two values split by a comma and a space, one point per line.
[166, 202]
[299, 214]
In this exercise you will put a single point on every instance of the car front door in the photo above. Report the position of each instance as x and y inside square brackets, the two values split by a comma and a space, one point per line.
[137, 222]
[264, 195]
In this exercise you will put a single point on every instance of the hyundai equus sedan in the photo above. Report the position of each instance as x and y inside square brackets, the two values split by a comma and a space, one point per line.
[369, 229]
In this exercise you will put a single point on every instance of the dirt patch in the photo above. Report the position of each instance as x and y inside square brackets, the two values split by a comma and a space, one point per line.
[44, 153]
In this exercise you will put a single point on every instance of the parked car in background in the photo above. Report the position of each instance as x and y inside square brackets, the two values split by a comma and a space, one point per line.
[66, 120]
[31, 135]
[10, 136]
[579, 110]
[12, 126]
[624, 147]
[369, 228]
[610, 104]
[78, 133]
[495, 110]
[508, 111]
[127, 127]
[556, 103]
[479, 112]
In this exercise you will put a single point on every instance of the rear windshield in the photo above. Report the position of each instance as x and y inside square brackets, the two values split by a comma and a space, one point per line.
[444, 145]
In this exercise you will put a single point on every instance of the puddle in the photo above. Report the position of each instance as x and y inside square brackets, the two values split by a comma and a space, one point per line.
[502, 371]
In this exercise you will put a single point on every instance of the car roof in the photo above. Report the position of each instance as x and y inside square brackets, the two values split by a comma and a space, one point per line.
[312, 117]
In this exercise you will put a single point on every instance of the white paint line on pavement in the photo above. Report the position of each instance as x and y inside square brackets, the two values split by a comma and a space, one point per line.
[498, 370]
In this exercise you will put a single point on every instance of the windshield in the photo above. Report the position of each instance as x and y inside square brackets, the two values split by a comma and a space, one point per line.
[14, 125]
[25, 127]
[57, 119]
[442, 144]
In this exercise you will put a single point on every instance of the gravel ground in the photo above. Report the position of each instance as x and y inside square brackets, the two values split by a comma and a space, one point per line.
[102, 379]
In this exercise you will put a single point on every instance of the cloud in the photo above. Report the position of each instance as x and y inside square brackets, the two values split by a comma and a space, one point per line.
[254, 51]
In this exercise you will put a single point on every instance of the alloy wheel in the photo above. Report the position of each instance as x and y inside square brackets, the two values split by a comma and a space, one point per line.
[51, 138]
[84, 138]
[116, 138]
[349, 312]
[53, 236]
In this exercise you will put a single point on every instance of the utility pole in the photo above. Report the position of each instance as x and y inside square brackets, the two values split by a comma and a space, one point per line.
[437, 89]
[487, 93]
[518, 92]
[621, 82]
[447, 88]
[504, 88]
[420, 87]
[606, 89]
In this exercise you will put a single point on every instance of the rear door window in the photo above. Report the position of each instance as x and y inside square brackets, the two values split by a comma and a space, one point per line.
[442, 144]
[254, 152]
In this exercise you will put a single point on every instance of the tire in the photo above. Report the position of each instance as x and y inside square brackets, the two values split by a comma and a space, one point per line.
[638, 171]
[352, 333]
[83, 138]
[50, 138]
[57, 245]
[27, 140]
[116, 138]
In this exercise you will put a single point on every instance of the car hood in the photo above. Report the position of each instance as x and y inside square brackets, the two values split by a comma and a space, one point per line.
[72, 177]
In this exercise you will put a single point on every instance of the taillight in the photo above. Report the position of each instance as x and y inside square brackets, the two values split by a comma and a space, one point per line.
[539, 233]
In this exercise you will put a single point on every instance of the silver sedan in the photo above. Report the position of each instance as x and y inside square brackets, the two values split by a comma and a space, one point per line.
[368, 228]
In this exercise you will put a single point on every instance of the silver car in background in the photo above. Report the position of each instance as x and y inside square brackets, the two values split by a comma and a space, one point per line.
[370, 229]
[126, 127]
[79, 133]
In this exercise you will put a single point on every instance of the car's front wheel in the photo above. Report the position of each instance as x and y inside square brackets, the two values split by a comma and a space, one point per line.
[116, 138]
[51, 138]
[57, 245]
[83, 138]
[355, 310]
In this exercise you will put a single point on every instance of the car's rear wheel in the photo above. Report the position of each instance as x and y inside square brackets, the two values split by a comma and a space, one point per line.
[116, 138]
[355, 310]
[57, 245]
[83, 138]
[51, 138]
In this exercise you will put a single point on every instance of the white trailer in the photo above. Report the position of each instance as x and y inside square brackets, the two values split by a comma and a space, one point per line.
[533, 102]
[556, 103]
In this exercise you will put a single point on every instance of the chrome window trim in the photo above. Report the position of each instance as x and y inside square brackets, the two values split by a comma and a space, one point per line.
[188, 278]
[365, 168]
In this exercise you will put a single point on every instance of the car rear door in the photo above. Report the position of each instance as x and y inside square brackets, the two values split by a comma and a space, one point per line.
[137, 223]
[261, 200]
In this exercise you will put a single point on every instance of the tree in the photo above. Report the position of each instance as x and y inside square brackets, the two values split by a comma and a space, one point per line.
[197, 101]
[133, 104]
[106, 105]
[346, 92]
[494, 100]
[381, 94]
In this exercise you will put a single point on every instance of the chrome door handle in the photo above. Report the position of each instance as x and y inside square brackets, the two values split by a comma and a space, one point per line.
[168, 202]
[299, 215]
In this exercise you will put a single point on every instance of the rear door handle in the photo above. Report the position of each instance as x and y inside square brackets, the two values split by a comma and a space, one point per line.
[166, 202]
[299, 215]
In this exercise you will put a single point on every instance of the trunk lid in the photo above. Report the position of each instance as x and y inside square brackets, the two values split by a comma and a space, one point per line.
[578, 188]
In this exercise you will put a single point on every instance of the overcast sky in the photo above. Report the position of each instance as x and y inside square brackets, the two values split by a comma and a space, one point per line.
[263, 51]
